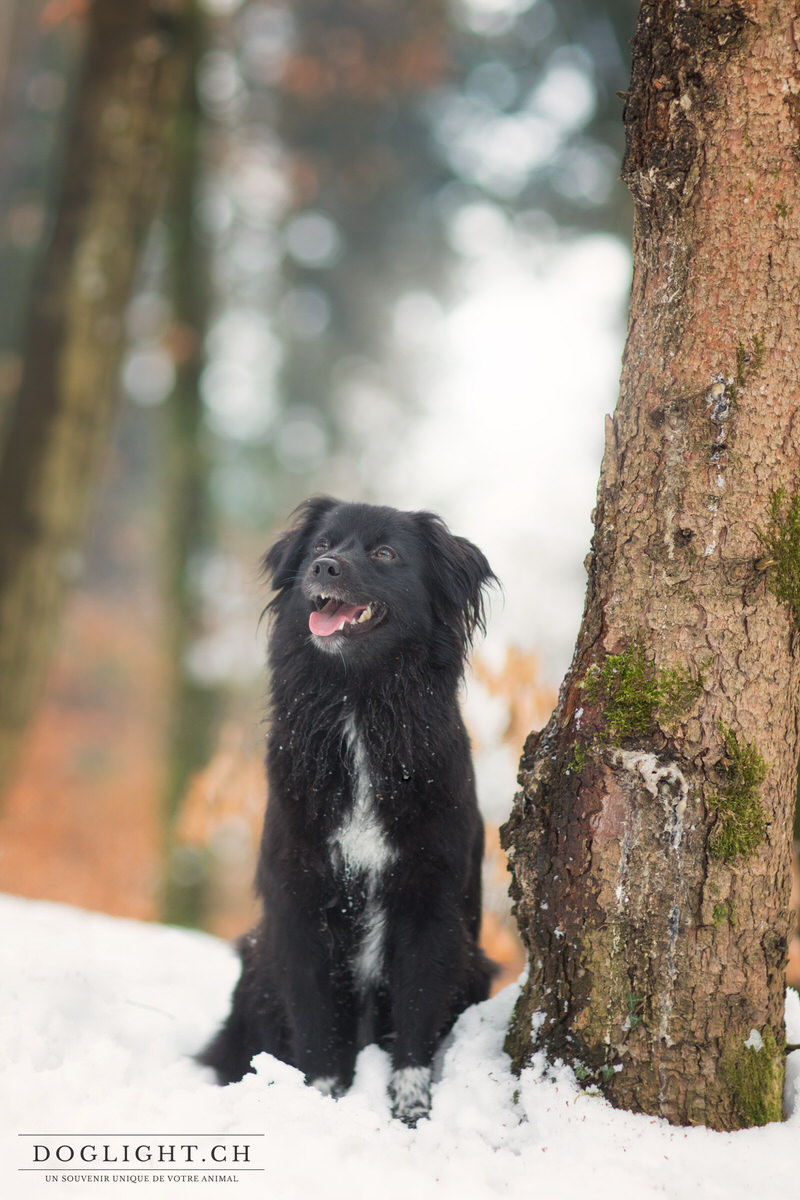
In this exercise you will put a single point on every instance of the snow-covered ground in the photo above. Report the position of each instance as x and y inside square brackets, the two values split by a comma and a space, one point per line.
[99, 1018]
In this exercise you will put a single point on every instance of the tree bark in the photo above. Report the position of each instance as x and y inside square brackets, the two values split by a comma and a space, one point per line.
[133, 70]
[650, 843]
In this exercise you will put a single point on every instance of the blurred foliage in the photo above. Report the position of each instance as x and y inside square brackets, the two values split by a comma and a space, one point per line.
[338, 164]
[361, 148]
[351, 150]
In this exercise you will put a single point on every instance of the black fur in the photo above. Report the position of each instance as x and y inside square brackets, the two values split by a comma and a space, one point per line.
[377, 702]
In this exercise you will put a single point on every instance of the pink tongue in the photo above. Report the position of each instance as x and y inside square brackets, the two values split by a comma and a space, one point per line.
[333, 617]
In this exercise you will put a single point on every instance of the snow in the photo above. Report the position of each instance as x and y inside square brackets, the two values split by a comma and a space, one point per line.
[101, 1015]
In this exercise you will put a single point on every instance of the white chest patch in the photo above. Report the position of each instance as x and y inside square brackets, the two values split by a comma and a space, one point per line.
[361, 840]
[360, 847]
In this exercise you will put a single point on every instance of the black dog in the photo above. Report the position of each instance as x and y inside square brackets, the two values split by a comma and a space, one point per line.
[370, 860]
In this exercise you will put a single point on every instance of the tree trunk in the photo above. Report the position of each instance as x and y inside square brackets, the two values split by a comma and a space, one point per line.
[650, 844]
[134, 64]
[188, 533]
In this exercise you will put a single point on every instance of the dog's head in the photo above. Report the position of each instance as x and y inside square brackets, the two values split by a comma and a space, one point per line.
[365, 581]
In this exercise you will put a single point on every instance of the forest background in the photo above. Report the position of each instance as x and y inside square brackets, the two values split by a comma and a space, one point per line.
[389, 261]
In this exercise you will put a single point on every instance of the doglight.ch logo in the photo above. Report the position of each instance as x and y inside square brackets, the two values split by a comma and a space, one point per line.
[140, 1158]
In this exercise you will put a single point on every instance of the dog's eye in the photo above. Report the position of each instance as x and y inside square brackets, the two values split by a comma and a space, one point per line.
[384, 552]
[322, 545]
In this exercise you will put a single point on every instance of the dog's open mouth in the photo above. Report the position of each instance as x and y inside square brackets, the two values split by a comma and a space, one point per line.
[339, 616]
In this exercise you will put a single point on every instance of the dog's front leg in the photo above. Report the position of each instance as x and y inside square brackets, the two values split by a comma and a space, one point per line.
[423, 973]
[322, 1014]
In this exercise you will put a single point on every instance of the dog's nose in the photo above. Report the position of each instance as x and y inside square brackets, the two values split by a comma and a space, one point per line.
[325, 568]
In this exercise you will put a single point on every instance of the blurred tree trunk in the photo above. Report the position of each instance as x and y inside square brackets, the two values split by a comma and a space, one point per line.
[188, 530]
[112, 174]
[650, 844]
[8, 17]
[20, 35]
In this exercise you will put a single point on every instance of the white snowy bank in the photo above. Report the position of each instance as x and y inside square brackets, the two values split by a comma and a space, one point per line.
[99, 1017]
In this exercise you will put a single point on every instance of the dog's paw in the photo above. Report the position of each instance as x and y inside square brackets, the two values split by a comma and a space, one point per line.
[410, 1093]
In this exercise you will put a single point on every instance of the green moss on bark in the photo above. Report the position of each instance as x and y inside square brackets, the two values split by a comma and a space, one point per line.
[741, 822]
[724, 914]
[753, 1070]
[635, 697]
[781, 543]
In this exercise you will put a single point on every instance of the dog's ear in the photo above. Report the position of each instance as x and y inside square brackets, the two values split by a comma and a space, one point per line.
[458, 575]
[282, 561]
